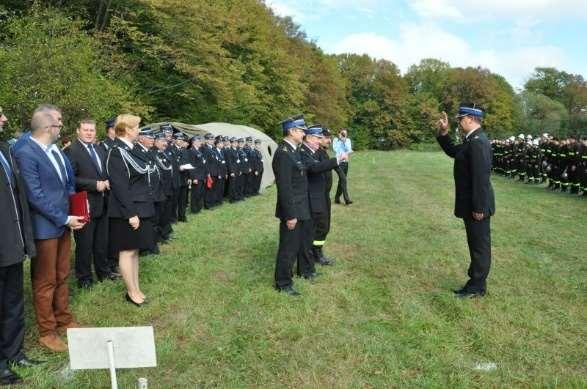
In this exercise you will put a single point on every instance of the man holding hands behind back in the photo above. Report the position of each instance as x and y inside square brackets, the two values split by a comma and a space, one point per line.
[474, 200]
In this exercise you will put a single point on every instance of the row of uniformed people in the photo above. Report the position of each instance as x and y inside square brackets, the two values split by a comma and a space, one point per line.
[561, 162]
[303, 176]
[153, 171]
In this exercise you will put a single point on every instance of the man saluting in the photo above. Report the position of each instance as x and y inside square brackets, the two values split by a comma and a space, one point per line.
[474, 200]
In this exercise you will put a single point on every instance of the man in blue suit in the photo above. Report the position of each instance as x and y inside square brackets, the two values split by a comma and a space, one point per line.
[49, 181]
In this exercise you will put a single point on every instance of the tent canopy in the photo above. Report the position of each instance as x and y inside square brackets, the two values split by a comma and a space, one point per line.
[268, 145]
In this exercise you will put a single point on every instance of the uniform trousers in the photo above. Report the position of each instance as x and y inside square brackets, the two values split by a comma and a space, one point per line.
[197, 200]
[182, 202]
[479, 240]
[294, 245]
[91, 245]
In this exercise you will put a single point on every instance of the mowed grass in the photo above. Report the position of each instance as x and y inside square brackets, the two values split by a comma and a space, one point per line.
[383, 316]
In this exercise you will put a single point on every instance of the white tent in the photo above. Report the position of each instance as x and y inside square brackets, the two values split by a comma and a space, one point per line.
[268, 145]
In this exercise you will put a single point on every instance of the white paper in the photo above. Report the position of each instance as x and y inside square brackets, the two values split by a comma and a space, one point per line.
[187, 166]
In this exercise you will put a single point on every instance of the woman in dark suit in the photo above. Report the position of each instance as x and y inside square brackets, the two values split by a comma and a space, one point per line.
[130, 207]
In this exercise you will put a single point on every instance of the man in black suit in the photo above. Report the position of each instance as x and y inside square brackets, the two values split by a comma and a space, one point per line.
[16, 243]
[212, 170]
[181, 159]
[144, 148]
[87, 161]
[107, 145]
[163, 207]
[292, 208]
[474, 201]
[317, 166]
[197, 175]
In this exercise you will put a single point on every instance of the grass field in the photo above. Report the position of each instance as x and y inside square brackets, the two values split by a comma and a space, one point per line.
[384, 316]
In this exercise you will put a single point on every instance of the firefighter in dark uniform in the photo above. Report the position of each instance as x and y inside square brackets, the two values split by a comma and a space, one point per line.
[222, 171]
[231, 156]
[244, 167]
[108, 141]
[259, 167]
[144, 147]
[212, 170]
[475, 202]
[316, 167]
[583, 168]
[292, 208]
[163, 207]
[107, 145]
[170, 152]
[181, 159]
[249, 175]
[198, 174]
[226, 153]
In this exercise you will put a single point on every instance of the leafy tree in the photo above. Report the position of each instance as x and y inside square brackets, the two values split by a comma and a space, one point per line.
[48, 59]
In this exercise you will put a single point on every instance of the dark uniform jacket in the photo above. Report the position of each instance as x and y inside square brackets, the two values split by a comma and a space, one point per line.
[222, 166]
[258, 161]
[211, 160]
[472, 171]
[15, 224]
[322, 156]
[165, 167]
[316, 169]
[292, 184]
[130, 192]
[176, 177]
[230, 155]
[107, 144]
[196, 158]
[242, 160]
[155, 177]
[87, 174]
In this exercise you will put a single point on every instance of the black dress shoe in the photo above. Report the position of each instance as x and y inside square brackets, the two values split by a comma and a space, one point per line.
[132, 301]
[336, 201]
[25, 362]
[289, 290]
[325, 261]
[8, 377]
[348, 202]
[471, 294]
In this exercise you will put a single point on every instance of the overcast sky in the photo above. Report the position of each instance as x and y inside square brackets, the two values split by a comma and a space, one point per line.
[510, 37]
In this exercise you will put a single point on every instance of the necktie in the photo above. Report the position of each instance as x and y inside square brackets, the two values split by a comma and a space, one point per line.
[95, 157]
[7, 169]
[61, 167]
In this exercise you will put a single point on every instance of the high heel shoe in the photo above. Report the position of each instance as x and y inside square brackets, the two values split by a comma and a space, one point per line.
[132, 301]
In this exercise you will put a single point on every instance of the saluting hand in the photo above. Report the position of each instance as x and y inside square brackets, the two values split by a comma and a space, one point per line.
[443, 124]
[291, 224]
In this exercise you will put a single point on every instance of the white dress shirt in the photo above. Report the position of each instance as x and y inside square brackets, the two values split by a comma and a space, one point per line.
[48, 151]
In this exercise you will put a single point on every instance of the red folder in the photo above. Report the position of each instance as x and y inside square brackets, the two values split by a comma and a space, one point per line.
[79, 205]
[209, 182]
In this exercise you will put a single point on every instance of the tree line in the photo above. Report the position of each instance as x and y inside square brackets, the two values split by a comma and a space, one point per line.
[236, 61]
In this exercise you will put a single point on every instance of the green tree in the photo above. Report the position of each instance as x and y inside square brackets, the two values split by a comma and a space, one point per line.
[47, 58]
[543, 114]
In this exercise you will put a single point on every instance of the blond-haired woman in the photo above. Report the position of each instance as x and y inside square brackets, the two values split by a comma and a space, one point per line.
[130, 206]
